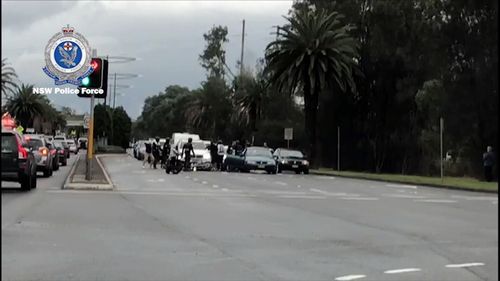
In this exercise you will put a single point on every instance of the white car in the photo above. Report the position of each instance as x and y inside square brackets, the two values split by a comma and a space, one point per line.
[202, 159]
[72, 146]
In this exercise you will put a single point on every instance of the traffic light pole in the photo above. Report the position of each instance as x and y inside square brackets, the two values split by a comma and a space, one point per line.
[90, 137]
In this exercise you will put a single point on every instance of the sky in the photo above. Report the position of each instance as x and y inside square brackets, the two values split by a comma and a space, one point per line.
[165, 38]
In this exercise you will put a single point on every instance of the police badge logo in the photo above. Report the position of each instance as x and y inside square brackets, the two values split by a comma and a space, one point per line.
[67, 57]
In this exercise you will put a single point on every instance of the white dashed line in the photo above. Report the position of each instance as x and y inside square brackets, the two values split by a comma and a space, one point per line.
[465, 265]
[301, 197]
[479, 198]
[280, 183]
[350, 277]
[204, 182]
[187, 177]
[224, 189]
[359, 198]
[402, 270]
[435, 201]
[298, 186]
[402, 186]
[195, 179]
[404, 196]
[215, 186]
[161, 180]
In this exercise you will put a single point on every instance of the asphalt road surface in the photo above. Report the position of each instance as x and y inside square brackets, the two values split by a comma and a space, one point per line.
[246, 226]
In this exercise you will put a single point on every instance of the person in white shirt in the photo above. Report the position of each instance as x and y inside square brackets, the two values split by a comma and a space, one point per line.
[220, 154]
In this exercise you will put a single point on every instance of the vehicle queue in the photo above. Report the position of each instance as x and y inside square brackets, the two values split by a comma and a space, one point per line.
[187, 152]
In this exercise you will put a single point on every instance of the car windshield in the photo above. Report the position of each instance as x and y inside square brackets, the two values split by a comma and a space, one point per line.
[199, 145]
[292, 153]
[35, 143]
[257, 151]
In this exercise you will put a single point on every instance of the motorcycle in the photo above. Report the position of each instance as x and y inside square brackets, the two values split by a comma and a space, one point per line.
[174, 165]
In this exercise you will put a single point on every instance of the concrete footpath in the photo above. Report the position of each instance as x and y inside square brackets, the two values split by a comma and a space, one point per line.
[99, 178]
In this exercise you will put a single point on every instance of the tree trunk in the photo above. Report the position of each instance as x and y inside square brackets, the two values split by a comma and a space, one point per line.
[311, 109]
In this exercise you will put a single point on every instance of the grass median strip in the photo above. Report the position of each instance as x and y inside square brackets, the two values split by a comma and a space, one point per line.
[449, 182]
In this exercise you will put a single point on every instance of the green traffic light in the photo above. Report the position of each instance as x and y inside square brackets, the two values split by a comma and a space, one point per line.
[86, 81]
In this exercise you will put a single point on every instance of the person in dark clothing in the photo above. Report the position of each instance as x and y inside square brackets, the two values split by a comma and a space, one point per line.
[156, 151]
[165, 152]
[148, 156]
[488, 163]
[238, 148]
[188, 150]
[213, 154]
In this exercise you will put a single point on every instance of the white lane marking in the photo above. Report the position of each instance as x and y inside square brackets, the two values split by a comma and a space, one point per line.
[301, 197]
[485, 198]
[251, 178]
[280, 183]
[215, 186]
[281, 192]
[299, 186]
[325, 177]
[402, 185]
[350, 277]
[402, 270]
[404, 196]
[204, 182]
[195, 179]
[139, 172]
[435, 201]
[224, 189]
[359, 198]
[464, 265]
[161, 180]
[334, 193]
[187, 177]
[188, 194]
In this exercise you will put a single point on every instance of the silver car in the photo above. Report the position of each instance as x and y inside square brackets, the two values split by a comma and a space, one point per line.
[41, 151]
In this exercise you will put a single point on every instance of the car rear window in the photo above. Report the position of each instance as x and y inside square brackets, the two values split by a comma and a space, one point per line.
[9, 143]
[292, 153]
[35, 143]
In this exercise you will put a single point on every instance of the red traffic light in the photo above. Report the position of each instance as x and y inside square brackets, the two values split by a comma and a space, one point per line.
[95, 64]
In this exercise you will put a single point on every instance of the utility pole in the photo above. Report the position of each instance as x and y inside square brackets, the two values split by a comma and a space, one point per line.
[114, 93]
[441, 129]
[242, 48]
[338, 148]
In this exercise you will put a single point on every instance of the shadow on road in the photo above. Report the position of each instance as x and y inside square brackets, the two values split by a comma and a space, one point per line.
[12, 190]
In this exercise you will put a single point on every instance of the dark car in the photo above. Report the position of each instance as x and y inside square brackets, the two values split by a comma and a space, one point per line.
[291, 160]
[62, 151]
[55, 155]
[18, 162]
[252, 158]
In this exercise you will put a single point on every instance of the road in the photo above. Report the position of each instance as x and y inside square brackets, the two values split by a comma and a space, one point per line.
[246, 226]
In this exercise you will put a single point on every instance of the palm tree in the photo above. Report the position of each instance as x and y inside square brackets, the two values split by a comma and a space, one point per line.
[313, 52]
[249, 100]
[8, 76]
[25, 106]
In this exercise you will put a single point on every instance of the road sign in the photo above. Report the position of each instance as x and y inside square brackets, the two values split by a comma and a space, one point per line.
[288, 133]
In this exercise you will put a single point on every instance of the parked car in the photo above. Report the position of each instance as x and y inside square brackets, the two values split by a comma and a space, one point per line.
[55, 156]
[41, 152]
[62, 151]
[252, 158]
[72, 146]
[291, 160]
[18, 161]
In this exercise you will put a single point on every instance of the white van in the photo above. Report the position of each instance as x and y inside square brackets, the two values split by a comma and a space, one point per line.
[177, 138]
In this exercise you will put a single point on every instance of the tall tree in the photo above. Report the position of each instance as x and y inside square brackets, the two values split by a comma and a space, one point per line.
[213, 58]
[25, 106]
[8, 78]
[313, 52]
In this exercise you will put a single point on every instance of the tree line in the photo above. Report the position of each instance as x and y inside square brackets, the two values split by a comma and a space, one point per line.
[383, 71]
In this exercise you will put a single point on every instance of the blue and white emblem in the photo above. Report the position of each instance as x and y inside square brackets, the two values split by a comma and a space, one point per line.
[67, 57]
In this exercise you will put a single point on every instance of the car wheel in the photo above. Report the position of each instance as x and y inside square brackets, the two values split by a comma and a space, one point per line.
[33, 180]
[65, 162]
[46, 172]
[56, 165]
[278, 169]
[25, 183]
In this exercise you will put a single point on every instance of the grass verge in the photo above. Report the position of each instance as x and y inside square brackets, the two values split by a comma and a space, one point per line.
[448, 182]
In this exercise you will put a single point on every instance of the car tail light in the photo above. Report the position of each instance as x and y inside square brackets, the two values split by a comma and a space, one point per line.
[22, 153]
[61, 151]
[44, 151]
[53, 152]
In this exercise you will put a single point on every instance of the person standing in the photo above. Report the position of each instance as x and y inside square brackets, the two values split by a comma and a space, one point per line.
[188, 150]
[149, 156]
[488, 163]
[165, 152]
[220, 154]
[156, 151]
[213, 154]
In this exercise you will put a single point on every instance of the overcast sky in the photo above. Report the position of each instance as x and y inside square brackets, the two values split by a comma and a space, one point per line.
[166, 37]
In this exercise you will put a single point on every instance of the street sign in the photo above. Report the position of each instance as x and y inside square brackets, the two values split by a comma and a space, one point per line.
[288, 133]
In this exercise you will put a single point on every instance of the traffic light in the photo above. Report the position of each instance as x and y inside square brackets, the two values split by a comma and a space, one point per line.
[97, 80]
